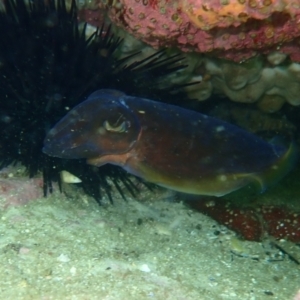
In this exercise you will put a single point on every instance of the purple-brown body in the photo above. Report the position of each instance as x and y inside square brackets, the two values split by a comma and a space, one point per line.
[165, 144]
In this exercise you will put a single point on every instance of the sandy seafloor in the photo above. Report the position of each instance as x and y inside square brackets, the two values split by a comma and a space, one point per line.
[70, 248]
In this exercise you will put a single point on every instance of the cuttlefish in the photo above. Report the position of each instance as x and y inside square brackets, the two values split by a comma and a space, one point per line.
[167, 145]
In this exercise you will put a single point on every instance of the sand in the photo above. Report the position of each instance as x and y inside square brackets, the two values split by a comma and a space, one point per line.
[69, 247]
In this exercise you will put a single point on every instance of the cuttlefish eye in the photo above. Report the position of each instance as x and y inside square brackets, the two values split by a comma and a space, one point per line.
[123, 127]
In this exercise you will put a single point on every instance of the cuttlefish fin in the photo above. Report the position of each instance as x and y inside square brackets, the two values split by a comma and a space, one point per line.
[219, 186]
[278, 170]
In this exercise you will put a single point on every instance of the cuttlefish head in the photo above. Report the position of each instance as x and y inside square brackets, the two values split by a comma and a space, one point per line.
[101, 125]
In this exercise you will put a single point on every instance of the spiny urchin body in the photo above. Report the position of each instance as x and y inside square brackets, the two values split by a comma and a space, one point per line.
[47, 66]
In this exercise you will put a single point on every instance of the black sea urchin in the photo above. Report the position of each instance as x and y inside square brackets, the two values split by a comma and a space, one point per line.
[47, 66]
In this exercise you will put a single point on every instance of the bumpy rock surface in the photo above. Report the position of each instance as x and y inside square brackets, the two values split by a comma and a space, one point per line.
[234, 29]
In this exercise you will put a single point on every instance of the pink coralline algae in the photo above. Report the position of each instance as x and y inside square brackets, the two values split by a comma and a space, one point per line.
[232, 29]
[19, 191]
